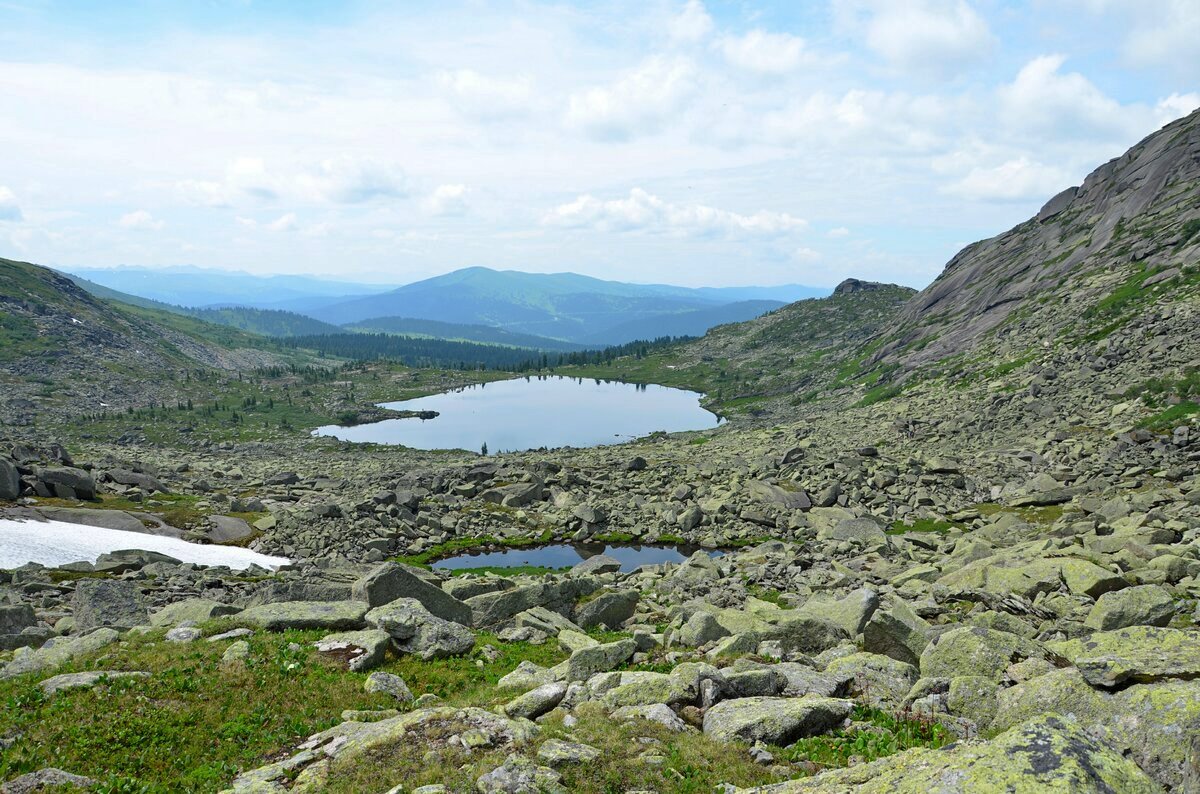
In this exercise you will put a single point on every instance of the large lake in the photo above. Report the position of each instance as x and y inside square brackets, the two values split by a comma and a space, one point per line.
[536, 412]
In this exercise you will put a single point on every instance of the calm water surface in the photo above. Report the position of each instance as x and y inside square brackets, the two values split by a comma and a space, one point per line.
[566, 555]
[536, 412]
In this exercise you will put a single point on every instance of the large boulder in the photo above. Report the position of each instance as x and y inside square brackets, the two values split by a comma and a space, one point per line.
[390, 581]
[15, 617]
[861, 531]
[1134, 654]
[609, 610]
[107, 602]
[227, 529]
[491, 609]
[536, 702]
[191, 610]
[329, 615]
[417, 630]
[586, 662]
[876, 679]
[805, 634]
[10, 480]
[66, 482]
[773, 720]
[851, 612]
[898, 632]
[973, 650]
[1145, 605]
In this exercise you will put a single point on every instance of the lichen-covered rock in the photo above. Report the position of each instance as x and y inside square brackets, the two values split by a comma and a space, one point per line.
[586, 662]
[851, 612]
[388, 684]
[805, 634]
[1134, 654]
[519, 775]
[48, 779]
[974, 698]
[328, 615]
[975, 651]
[557, 752]
[525, 676]
[1145, 605]
[879, 680]
[1063, 692]
[1046, 755]
[536, 702]
[774, 720]
[609, 610]
[897, 632]
[416, 630]
[57, 652]
[195, 610]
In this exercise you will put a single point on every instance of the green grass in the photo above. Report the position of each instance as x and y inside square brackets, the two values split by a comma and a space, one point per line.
[1171, 417]
[192, 726]
[879, 394]
[922, 525]
[458, 545]
[877, 734]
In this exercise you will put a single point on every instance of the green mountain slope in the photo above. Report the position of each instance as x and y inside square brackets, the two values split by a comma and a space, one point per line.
[559, 305]
[264, 322]
[408, 326]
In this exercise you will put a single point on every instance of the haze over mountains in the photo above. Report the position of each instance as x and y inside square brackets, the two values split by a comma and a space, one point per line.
[559, 307]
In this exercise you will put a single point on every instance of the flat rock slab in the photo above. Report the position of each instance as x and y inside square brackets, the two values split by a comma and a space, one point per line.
[48, 779]
[774, 720]
[284, 615]
[86, 680]
[1135, 654]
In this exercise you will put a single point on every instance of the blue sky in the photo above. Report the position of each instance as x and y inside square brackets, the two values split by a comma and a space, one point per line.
[663, 141]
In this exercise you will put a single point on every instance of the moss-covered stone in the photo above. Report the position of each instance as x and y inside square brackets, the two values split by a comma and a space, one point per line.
[1046, 755]
[1136, 653]
[975, 651]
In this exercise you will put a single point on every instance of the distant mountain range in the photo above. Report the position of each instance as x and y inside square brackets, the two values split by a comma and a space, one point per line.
[543, 310]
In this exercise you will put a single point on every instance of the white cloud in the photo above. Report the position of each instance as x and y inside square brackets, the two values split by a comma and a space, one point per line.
[486, 97]
[1044, 101]
[840, 231]
[335, 180]
[284, 223]
[446, 200]
[639, 102]
[760, 51]
[9, 209]
[888, 123]
[1176, 106]
[930, 37]
[352, 180]
[1014, 180]
[806, 255]
[642, 211]
[140, 219]
[1165, 33]
[691, 24]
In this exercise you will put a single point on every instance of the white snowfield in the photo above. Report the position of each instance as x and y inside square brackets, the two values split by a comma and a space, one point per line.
[54, 543]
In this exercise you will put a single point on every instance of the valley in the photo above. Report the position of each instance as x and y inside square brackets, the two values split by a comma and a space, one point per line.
[958, 533]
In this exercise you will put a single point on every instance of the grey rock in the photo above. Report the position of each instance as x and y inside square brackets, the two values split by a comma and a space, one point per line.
[536, 702]
[771, 720]
[609, 610]
[388, 684]
[103, 602]
[1145, 605]
[48, 779]
[390, 581]
[358, 650]
[10, 480]
[329, 615]
[87, 680]
[416, 630]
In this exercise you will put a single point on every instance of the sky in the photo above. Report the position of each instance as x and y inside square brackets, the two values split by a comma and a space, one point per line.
[693, 143]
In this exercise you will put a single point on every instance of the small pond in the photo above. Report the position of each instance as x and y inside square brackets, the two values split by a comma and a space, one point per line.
[535, 412]
[566, 555]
